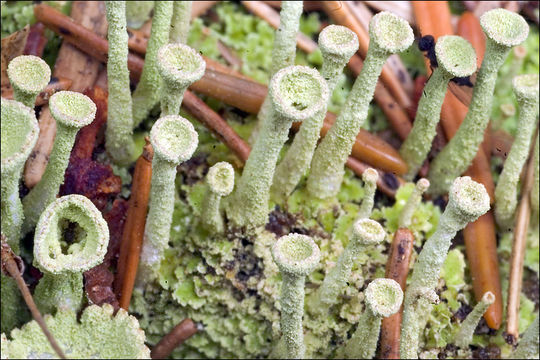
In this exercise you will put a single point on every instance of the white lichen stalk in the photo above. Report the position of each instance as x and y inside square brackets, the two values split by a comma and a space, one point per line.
[295, 93]
[383, 298]
[526, 91]
[174, 140]
[337, 44]
[28, 75]
[455, 58]
[181, 18]
[119, 134]
[220, 182]
[365, 233]
[466, 329]
[61, 286]
[468, 200]
[370, 177]
[388, 34]
[179, 66]
[296, 257]
[405, 218]
[72, 111]
[19, 133]
[504, 29]
[148, 91]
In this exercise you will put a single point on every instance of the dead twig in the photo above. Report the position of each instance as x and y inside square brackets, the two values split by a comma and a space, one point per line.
[180, 333]
[523, 217]
[13, 266]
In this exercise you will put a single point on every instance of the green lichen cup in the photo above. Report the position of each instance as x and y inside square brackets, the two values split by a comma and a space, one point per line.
[28, 75]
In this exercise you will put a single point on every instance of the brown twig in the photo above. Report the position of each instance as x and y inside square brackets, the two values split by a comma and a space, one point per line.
[387, 182]
[216, 125]
[400, 8]
[523, 216]
[132, 237]
[200, 7]
[35, 44]
[180, 333]
[13, 266]
[342, 15]
[71, 64]
[55, 85]
[397, 268]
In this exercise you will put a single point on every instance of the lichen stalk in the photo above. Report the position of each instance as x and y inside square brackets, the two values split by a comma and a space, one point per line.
[283, 52]
[295, 93]
[20, 132]
[62, 284]
[529, 343]
[370, 177]
[179, 66]
[466, 330]
[504, 29]
[138, 12]
[389, 34]
[148, 91]
[220, 182]
[405, 218]
[468, 200]
[28, 75]
[535, 191]
[119, 134]
[526, 91]
[456, 58]
[180, 22]
[174, 140]
[383, 299]
[296, 257]
[71, 111]
[365, 233]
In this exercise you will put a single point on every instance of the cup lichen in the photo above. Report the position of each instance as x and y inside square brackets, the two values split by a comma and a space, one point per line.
[295, 94]
[504, 29]
[28, 75]
[405, 218]
[526, 91]
[383, 298]
[179, 66]
[388, 34]
[19, 133]
[174, 140]
[296, 256]
[119, 134]
[181, 17]
[220, 182]
[63, 260]
[468, 200]
[529, 343]
[455, 58]
[370, 177]
[72, 111]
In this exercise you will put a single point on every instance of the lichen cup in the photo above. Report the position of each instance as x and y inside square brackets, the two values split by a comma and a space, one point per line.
[28, 75]
[19, 133]
[180, 66]
[64, 259]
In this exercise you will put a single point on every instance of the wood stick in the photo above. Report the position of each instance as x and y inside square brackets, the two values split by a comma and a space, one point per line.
[180, 333]
[54, 86]
[342, 15]
[132, 237]
[12, 46]
[480, 240]
[523, 217]
[397, 268]
[198, 8]
[216, 125]
[35, 44]
[387, 182]
[400, 8]
[72, 64]
[14, 267]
